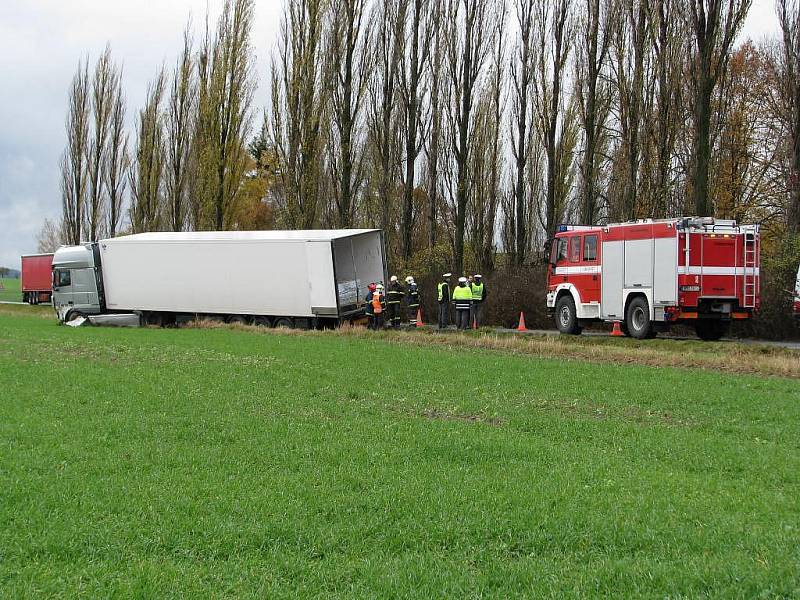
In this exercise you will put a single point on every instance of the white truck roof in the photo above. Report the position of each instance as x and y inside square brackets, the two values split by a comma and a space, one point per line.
[310, 235]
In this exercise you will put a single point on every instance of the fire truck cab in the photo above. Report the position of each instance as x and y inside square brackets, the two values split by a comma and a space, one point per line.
[651, 274]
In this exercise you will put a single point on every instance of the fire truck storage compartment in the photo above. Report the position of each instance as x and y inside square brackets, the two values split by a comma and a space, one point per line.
[639, 262]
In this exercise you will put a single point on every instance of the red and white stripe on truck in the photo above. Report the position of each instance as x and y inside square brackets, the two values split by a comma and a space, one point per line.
[675, 270]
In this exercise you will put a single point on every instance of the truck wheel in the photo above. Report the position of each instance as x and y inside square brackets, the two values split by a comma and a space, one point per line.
[566, 317]
[240, 319]
[710, 331]
[637, 319]
[284, 322]
[262, 322]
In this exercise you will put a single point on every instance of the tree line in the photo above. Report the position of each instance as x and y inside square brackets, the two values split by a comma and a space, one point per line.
[470, 128]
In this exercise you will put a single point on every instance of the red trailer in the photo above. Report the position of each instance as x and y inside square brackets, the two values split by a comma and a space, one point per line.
[37, 278]
[651, 274]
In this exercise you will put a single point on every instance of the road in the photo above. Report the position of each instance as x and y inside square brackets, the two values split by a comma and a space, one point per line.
[749, 342]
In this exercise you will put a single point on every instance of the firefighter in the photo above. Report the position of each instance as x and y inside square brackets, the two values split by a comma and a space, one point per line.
[462, 297]
[413, 301]
[478, 289]
[370, 312]
[378, 306]
[394, 298]
[444, 301]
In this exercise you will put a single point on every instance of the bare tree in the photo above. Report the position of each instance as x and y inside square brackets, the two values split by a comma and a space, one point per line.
[630, 53]
[383, 121]
[789, 17]
[435, 104]
[714, 25]
[470, 28]
[487, 159]
[594, 96]
[50, 237]
[224, 110]
[518, 209]
[117, 160]
[103, 85]
[663, 120]
[179, 127]
[555, 121]
[418, 38]
[73, 161]
[146, 172]
[349, 63]
[299, 98]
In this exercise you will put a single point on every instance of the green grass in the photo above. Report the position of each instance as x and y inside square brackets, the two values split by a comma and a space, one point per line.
[213, 462]
[10, 291]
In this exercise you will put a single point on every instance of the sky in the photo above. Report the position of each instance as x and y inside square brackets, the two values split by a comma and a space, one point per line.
[41, 42]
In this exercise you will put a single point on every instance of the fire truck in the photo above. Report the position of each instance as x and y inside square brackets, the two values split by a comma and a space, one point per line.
[651, 274]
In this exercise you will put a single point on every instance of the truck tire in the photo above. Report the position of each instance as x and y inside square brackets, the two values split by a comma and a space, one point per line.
[637, 319]
[566, 316]
[709, 330]
[283, 322]
[262, 322]
[240, 319]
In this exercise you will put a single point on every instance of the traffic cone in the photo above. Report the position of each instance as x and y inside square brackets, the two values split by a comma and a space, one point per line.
[617, 330]
[419, 317]
[521, 326]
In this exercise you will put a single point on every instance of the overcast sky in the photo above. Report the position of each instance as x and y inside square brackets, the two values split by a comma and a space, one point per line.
[41, 42]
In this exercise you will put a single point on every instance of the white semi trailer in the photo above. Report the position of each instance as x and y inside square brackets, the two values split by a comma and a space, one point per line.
[273, 278]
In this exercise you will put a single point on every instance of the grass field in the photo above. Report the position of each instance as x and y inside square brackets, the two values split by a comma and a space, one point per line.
[9, 291]
[215, 462]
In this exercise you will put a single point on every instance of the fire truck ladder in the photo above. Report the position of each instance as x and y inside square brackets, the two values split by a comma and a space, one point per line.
[749, 295]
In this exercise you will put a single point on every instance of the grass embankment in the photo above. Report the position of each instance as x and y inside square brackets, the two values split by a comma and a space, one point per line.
[214, 462]
[10, 290]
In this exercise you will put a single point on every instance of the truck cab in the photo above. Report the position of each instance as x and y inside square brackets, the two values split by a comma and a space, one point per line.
[75, 289]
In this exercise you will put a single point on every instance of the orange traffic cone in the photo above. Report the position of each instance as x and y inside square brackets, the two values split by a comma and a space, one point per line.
[617, 330]
[521, 326]
[419, 317]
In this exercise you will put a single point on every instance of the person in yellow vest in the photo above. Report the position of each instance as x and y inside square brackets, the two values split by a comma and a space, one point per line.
[394, 299]
[462, 297]
[378, 305]
[444, 301]
[478, 289]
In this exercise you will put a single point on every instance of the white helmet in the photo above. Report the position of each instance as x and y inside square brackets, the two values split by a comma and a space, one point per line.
[462, 280]
[478, 276]
[446, 275]
[379, 286]
[409, 279]
[393, 278]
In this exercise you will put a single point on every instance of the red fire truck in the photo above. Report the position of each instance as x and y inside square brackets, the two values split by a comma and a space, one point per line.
[651, 274]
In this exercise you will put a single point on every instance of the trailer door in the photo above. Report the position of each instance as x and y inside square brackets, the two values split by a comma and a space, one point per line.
[358, 261]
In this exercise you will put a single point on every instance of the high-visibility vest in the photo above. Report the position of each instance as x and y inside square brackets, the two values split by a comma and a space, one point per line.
[462, 296]
[377, 307]
[442, 285]
[477, 291]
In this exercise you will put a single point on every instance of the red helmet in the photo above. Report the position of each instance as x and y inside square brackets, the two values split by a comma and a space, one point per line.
[371, 287]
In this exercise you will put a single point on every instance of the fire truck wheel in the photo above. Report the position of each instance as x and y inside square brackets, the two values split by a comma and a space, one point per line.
[638, 318]
[710, 331]
[566, 317]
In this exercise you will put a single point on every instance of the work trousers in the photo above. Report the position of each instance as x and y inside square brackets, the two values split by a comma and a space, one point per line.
[412, 314]
[444, 315]
[476, 314]
[462, 317]
[393, 309]
[370, 321]
[377, 322]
